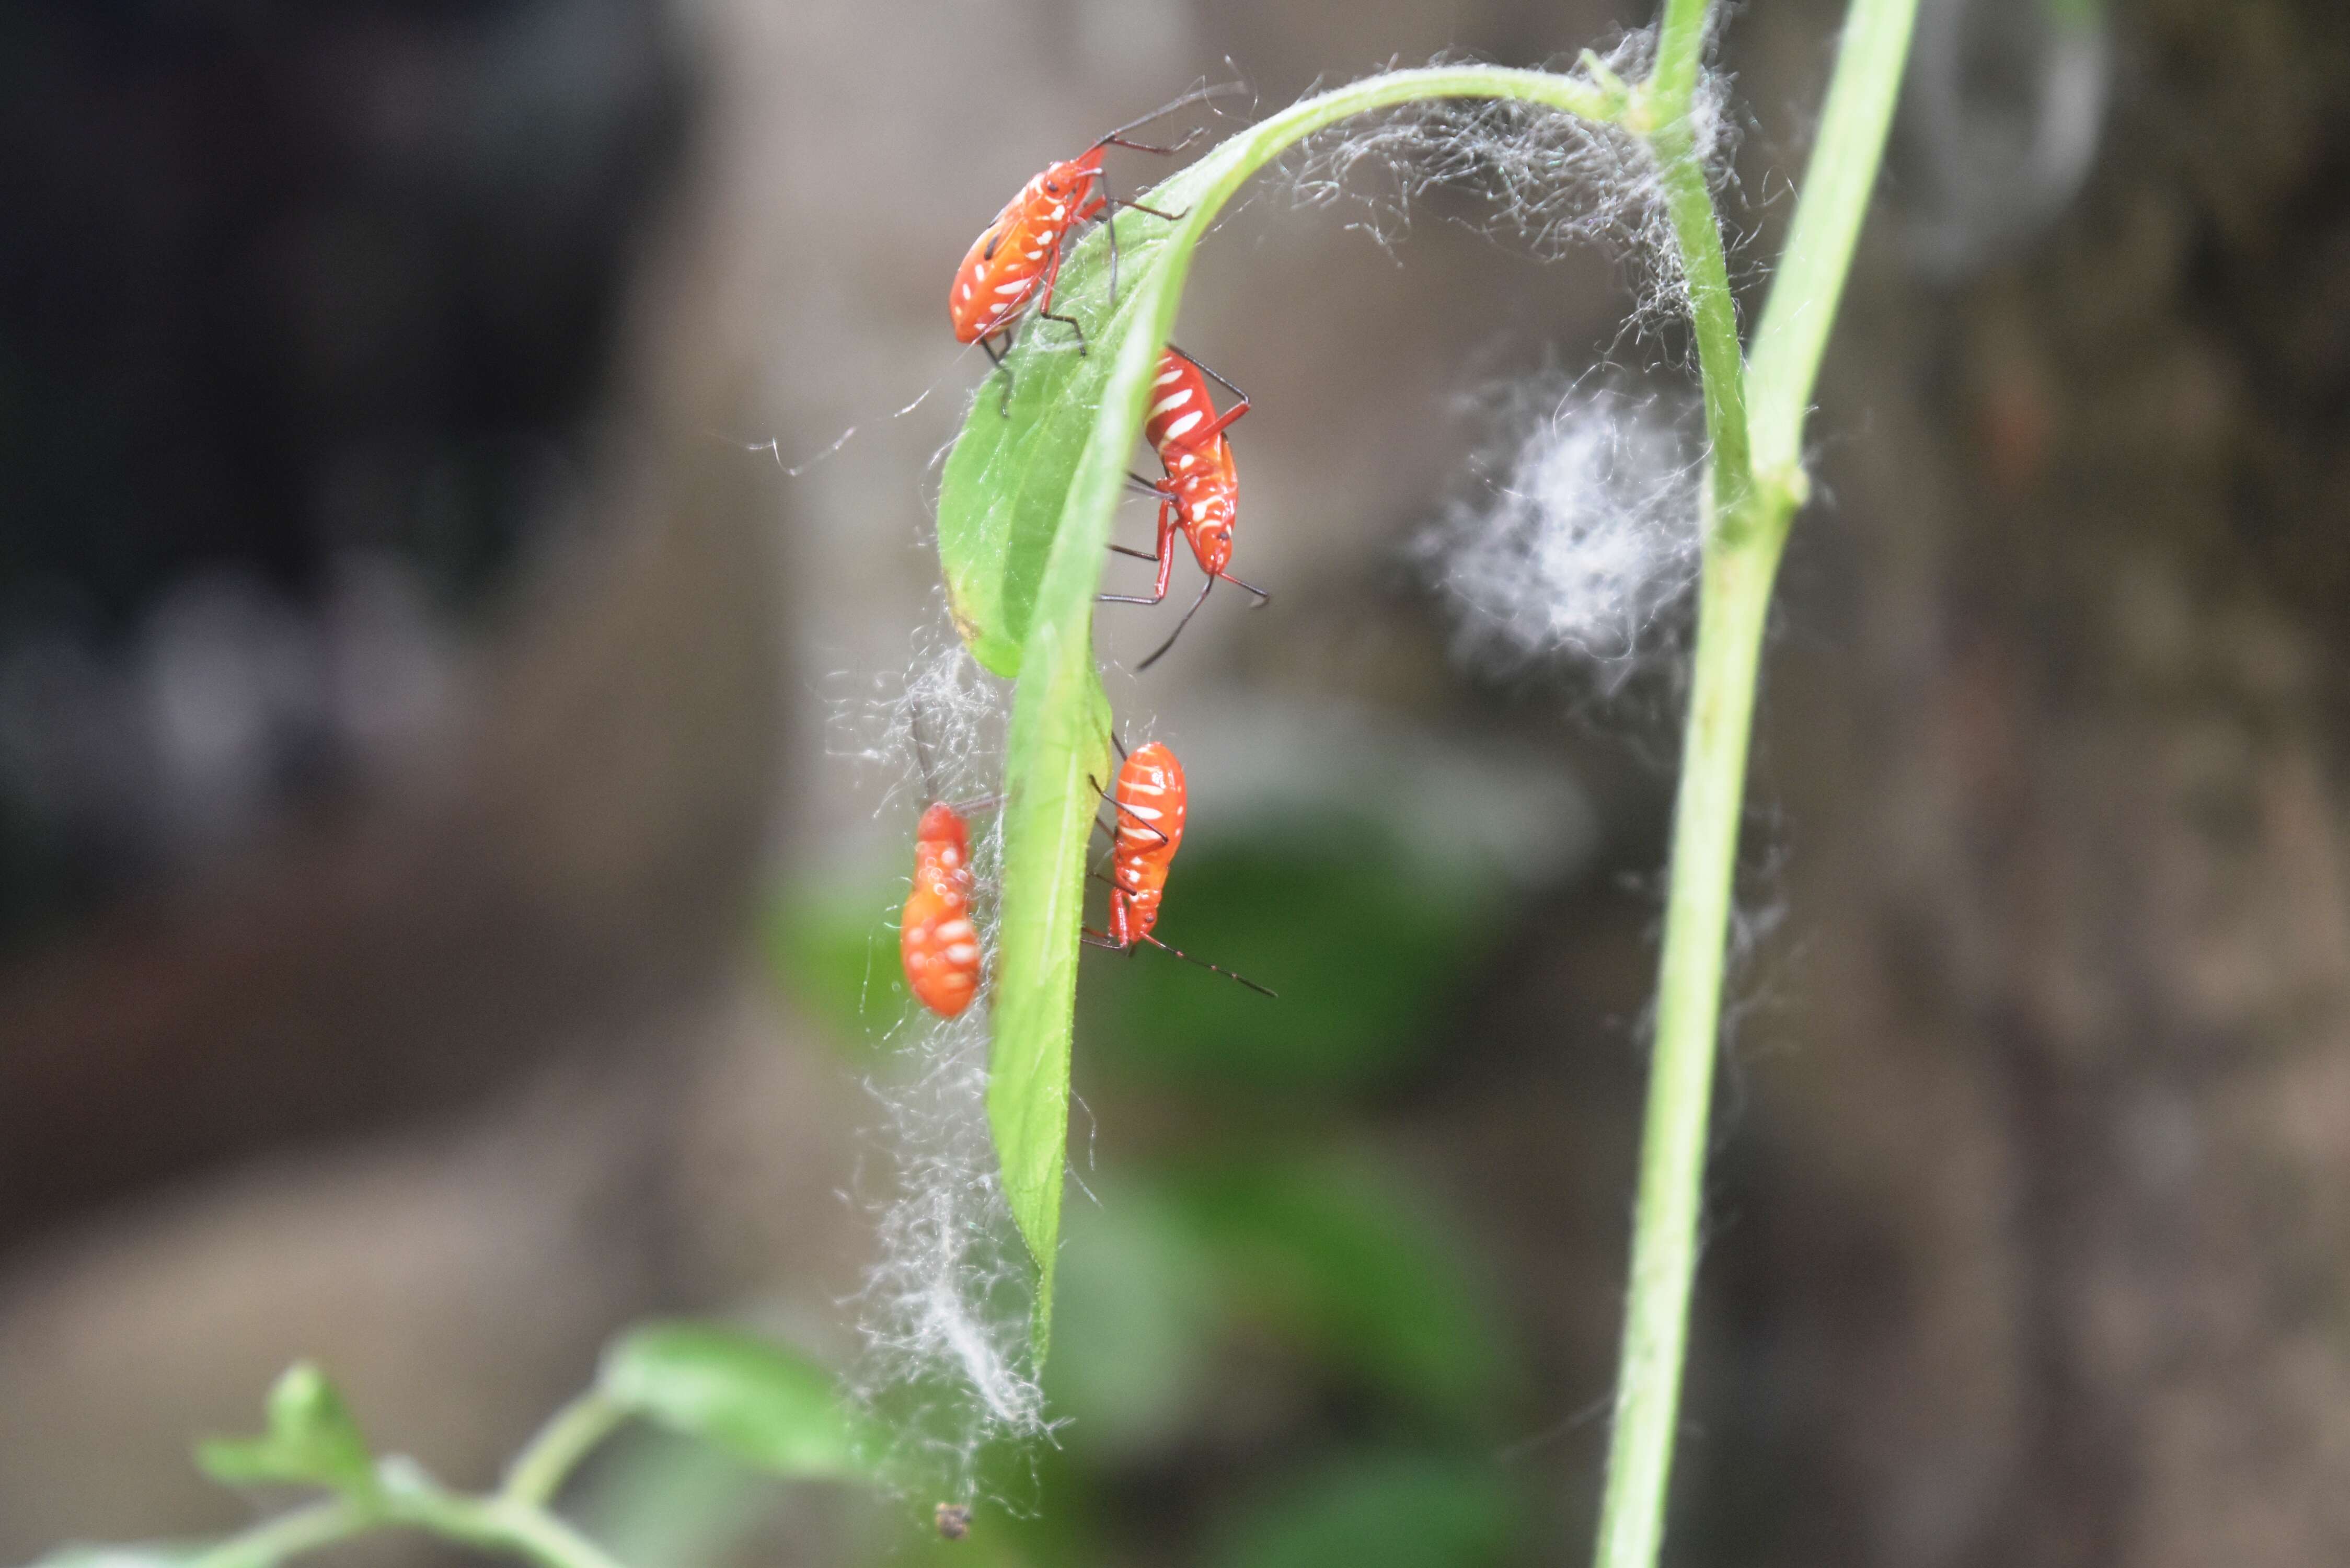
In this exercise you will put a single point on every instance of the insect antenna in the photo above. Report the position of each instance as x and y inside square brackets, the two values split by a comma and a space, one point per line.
[1179, 627]
[1203, 964]
[1211, 369]
[1261, 595]
[1201, 94]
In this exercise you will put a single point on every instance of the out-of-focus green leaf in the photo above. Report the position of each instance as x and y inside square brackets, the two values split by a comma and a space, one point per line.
[1138, 1320]
[751, 1397]
[1359, 1271]
[311, 1440]
[836, 955]
[1366, 942]
[661, 1498]
[1379, 1511]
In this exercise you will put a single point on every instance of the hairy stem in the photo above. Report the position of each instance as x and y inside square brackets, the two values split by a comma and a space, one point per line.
[1733, 604]
[1715, 315]
[1680, 48]
[1755, 484]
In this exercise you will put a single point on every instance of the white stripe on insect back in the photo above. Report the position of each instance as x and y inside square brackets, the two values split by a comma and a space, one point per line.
[1171, 401]
[1183, 426]
[1173, 373]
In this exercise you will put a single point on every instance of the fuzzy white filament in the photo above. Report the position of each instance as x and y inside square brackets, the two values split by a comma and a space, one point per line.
[1553, 179]
[945, 1307]
[1581, 532]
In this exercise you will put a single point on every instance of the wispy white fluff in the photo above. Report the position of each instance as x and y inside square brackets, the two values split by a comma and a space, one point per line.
[1581, 529]
[944, 1309]
[1553, 179]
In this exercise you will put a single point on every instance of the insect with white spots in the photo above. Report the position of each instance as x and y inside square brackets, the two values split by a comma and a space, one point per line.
[1151, 799]
[1016, 260]
[937, 941]
[1201, 494]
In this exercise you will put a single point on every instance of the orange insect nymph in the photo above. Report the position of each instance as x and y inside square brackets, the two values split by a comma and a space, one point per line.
[936, 939]
[1016, 260]
[1151, 799]
[1018, 257]
[1201, 494]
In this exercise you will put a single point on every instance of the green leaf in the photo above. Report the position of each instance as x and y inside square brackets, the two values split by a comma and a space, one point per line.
[1363, 1271]
[751, 1397]
[1137, 1325]
[1380, 1511]
[1025, 512]
[1366, 940]
[311, 1440]
[835, 951]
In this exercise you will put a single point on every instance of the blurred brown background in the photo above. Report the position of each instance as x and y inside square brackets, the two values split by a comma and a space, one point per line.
[416, 692]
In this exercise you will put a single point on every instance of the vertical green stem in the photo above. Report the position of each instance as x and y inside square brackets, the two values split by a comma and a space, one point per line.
[1734, 602]
[1754, 484]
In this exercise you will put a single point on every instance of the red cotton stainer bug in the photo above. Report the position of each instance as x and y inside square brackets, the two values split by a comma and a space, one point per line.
[1151, 801]
[936, 939]
[1201, 492]
[1017, 258]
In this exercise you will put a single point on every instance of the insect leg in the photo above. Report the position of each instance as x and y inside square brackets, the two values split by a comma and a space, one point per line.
[995, 358]
[1203, 964]
[1154, 212]
[1179, 628]
[1044, 299]
[1109, 222]
[1166, 559]
[1261, 595]
[1223, 421]
[1139, 821]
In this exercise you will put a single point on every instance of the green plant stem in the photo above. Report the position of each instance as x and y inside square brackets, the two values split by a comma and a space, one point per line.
[1680, 48]
[288, 1535]
[410, 1500]
[1809, 284]
[1713, 315]
[1755, 484]
[547, 1460]
[1733, 604]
